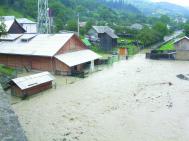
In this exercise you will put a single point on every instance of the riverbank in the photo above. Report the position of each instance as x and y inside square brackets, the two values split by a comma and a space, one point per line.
[133, 100]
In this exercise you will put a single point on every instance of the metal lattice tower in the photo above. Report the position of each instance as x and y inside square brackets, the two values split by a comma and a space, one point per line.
[43, 20]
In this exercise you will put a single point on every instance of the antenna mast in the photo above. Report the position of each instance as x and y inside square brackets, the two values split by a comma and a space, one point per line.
[43, 20]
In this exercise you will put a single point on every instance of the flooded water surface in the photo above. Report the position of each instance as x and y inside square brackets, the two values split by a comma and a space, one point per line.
[134, 100]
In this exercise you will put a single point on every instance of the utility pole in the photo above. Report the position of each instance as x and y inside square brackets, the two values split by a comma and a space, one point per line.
[43, 19]
[50, 21]
[78, 25]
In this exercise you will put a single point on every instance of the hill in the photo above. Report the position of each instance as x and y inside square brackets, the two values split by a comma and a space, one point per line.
[148, 7]
[65, 12]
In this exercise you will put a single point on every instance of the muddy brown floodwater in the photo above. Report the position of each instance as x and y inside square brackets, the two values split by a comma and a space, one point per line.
[134, 100]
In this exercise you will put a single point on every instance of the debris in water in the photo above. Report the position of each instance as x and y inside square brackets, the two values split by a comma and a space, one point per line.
[170, 105]
[183, 77]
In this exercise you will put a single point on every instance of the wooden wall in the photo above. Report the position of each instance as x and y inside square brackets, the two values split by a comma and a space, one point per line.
[16, 91]
[44, 63]
[31, 62]
[16, 28]
[106, 42]
[74, 44]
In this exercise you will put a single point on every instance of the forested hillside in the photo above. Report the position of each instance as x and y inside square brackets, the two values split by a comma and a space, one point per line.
[65, 12]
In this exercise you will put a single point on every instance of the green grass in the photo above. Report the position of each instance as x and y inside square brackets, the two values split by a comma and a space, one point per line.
[167, 46]
[6, 70]
[132, 49]
[5, 11]
[125, 40]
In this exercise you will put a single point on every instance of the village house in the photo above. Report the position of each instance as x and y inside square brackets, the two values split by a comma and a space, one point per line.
[105, 36]
[136, 26]
[30, 85]
[28, 25]
[57, 53]
[12, 25]
[182, 48]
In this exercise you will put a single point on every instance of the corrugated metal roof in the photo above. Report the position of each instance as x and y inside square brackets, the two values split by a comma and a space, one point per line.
[185, 37]
[41, 45]
[33, 80]
[78, 57]
[25, 21]
[6, 18]
[27, 37]
[105, 29]
[8, 24]
[10, 37]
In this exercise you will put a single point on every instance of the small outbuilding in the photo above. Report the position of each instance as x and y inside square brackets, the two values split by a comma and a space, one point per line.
[182, 49]
[105, 36]
[30, 85]
[12, 25]
[28, 25]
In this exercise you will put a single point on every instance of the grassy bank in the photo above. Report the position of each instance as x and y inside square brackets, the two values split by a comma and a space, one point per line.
[168, 46]
[6, 70]
[5, 11]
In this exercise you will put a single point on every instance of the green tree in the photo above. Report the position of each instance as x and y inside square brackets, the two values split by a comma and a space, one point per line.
[161, 28]
[72, 25]
[165, 19]
[2, 28]
[186, 29]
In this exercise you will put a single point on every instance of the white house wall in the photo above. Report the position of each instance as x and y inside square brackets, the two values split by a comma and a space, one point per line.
[30, 28]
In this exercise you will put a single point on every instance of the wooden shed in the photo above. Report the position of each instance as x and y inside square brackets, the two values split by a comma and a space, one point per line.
[105, 36]
[30, 85]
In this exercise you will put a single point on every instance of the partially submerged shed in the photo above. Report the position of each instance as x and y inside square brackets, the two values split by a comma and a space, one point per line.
[33, 84]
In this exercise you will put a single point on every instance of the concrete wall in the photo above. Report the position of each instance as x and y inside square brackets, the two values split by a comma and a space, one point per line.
[182, 50]
[182, 44]
[10, 128]
[182, 55]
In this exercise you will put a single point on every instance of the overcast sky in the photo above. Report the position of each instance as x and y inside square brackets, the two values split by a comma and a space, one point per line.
[179, 2]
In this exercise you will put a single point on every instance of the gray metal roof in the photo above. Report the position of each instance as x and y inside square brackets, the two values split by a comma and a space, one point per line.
[33, 80]
[41, 45]
[178, 40]
[6, 18]
[10, 37]
[78, 57]
[8, 24]
[105, 29]
[25, 21]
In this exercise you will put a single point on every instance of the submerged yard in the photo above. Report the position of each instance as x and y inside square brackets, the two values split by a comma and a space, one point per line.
[134, 100]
